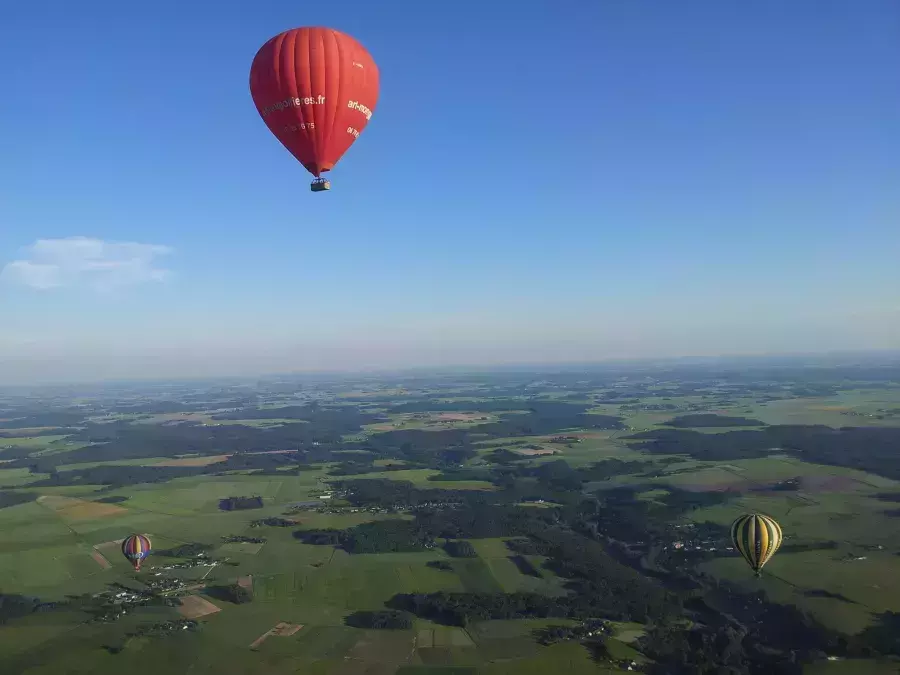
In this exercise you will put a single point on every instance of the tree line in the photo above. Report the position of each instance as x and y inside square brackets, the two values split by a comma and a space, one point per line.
[871, 449]
[733, 631]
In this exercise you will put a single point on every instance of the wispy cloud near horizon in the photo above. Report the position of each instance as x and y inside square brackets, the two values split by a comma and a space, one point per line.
[72, 261]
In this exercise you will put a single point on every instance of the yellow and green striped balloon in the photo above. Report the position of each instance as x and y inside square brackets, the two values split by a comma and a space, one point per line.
[756, 537]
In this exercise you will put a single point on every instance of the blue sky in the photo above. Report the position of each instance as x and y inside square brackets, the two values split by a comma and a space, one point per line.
[540, 181]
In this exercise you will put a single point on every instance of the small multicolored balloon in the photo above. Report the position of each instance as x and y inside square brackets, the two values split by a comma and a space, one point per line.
[135, 548]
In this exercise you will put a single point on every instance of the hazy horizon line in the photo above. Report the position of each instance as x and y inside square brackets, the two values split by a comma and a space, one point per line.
[481, 368]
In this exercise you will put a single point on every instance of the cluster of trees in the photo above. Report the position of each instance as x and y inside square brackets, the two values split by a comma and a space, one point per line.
[44, 419]
[317, 437]
[598, 585]
[112, 476]
[610, 468]
[342, 419]
[450, 447]
[503, 456]
[550, 480]
[710, 420]
[387, 536]
[525, 566]
[871, 449]
[460, 549]
[240, 594]
[461, 514]
[616, 512]
[546, 408]
[116, 476]
[787, 485]
[381, 536]
[650, 406]
[737, 633]
[442, 565]
[20, 432]
[383, 619]
[555, 476]
[10, 498]
[234, 593]
[15, 606]
[458, 609]
[766, 634]
[273, 522]
[326, 537]
[601, 585]
[479, 520]
[387, 494]
[456, 474]
[191, 550]
[123, 440]
[147, 408]
[554, 481]
[883, 637]
[705, 650]
[17, 456]
[556, 633]
[725, 446]
[241, 503]
[361, 462]
[243, 539]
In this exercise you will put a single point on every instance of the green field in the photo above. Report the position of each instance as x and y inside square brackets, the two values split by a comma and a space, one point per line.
[49, 553]
[54, 548]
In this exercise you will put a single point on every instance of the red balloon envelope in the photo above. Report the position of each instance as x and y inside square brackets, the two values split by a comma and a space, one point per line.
[316, 89]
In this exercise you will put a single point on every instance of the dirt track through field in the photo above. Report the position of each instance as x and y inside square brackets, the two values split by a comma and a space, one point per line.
[101, 560]
[193, 607]
[281, 629]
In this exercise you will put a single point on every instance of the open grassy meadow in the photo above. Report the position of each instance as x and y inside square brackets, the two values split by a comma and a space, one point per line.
[60, 536]
[69, 545]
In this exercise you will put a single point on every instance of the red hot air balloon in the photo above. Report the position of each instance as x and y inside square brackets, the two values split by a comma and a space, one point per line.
[316, 89]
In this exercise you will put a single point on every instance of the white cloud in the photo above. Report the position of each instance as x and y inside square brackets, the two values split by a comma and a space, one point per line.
[103, 265]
